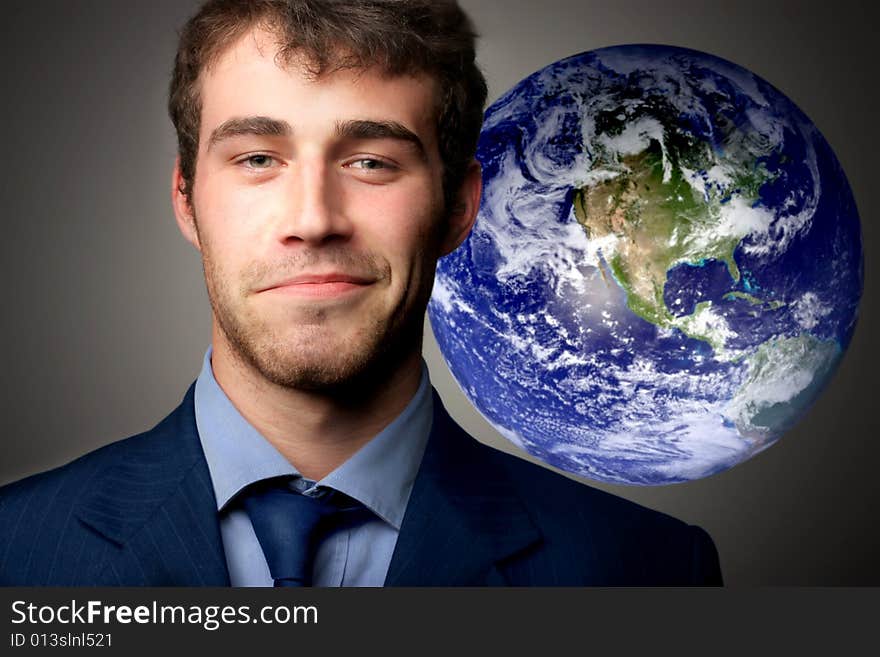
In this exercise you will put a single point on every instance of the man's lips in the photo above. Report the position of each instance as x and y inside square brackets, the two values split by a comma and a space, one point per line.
[319, 285]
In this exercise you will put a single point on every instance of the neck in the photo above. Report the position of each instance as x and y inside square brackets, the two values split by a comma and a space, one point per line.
[315, 431]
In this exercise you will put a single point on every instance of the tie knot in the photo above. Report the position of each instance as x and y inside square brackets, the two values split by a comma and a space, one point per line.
[289, 527]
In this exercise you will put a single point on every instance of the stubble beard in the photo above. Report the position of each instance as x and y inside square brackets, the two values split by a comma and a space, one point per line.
[310, 361]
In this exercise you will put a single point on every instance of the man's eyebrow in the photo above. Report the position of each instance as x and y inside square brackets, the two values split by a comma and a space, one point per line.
[364, 129]
[260, 126]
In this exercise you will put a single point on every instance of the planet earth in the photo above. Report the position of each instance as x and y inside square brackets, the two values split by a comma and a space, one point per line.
[665, 270]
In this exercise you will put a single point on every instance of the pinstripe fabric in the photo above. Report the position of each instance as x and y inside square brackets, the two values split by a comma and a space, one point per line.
[137, 512]
[142, 512]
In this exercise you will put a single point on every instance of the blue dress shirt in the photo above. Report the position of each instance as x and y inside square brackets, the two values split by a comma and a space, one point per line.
[380, 476]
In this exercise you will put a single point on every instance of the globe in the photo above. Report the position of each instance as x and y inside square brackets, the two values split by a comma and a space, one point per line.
[665, 270]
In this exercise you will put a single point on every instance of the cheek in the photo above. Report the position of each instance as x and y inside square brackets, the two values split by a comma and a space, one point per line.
[413, 255]
[232, 221]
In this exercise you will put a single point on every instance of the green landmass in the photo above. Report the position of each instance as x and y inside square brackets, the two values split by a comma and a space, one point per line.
[657, 223]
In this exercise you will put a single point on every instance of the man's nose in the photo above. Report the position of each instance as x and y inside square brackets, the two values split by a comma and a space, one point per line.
[314, 211]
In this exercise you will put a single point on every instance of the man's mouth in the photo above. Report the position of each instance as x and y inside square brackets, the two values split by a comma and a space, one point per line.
[319, 285]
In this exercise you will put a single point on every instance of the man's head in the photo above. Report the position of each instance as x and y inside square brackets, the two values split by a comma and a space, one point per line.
[326, 162]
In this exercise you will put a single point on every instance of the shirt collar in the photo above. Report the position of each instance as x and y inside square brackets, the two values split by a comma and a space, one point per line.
[380, 475]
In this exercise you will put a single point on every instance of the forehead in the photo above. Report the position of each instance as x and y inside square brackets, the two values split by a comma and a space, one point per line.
[250, 79]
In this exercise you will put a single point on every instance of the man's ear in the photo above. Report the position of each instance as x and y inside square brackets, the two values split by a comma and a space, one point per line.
[183, 211]
[464, 212]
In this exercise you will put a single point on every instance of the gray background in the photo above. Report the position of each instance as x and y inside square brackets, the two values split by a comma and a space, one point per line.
[106, 319]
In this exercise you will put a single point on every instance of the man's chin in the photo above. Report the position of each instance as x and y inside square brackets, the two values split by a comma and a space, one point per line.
[313, 375]
[323, 363]
[327, 357]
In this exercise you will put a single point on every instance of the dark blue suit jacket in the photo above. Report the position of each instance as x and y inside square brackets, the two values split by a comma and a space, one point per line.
[141, 512]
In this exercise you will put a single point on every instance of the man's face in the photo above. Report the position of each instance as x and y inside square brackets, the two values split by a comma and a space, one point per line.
[318, 209]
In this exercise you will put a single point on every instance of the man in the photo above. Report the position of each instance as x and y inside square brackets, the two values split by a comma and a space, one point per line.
[326, 161]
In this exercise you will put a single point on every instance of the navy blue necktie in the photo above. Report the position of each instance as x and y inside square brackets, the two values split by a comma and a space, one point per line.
[290, 526]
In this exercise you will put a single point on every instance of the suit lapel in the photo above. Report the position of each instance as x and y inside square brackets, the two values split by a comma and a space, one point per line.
[156, 506]
[463, 516]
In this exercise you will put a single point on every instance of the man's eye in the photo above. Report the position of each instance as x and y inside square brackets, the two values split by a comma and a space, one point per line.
[369, 164]
[258, 161]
